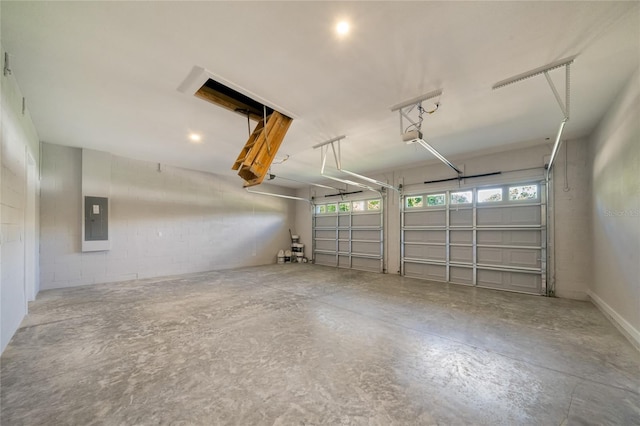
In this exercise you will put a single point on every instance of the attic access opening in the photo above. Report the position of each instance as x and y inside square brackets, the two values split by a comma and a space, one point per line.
[226, 97]
[259, 151]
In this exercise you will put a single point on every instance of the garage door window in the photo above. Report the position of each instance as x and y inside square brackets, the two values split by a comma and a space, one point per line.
[524, 192]
[436, 200]
[413, 202]
[462, 197]
[490, 195]
[373, 205]
[358, 206]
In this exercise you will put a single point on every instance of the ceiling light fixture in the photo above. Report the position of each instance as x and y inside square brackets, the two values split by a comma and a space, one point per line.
[343, 28]
[195, 138]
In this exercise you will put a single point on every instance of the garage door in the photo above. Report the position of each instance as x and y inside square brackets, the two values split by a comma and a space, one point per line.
[490, 237]
[349, 234]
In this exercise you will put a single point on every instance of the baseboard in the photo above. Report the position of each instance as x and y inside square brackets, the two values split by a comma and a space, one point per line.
[621, 324]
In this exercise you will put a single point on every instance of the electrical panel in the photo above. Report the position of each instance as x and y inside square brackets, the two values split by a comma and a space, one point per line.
[96, 218]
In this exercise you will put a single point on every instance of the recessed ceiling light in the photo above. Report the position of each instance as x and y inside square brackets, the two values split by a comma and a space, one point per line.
[195, 138]
[343, 28]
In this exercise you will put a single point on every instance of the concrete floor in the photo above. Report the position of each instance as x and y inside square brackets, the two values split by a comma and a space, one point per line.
[304, 344]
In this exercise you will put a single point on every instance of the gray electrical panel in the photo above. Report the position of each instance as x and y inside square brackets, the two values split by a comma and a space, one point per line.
[96, 215]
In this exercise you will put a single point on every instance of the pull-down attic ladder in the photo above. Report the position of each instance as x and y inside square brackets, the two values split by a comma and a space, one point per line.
[258, 153]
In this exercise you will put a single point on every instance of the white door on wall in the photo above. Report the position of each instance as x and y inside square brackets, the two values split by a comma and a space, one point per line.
[492, 236]
[349, 234]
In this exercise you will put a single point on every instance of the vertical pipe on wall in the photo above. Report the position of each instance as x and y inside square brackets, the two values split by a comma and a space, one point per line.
[551, 264]
[543, 240]
[447, 240]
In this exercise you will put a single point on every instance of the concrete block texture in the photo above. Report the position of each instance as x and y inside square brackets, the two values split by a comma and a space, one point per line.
[19, 141]
[163, 221]
[614, 160]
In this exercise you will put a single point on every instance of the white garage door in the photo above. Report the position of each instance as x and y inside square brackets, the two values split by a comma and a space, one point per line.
[349, 234]
[487, 236]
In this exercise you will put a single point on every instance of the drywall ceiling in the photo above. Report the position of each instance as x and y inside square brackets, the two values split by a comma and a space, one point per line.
[105, 75]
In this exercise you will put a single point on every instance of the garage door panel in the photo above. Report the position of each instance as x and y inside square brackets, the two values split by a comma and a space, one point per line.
[489, 256]
[343, 221]
[509, 257]
[343, 246]
[343, 262]
[425, 252]
[343, 234]
[461, 217]
[324, 221]
[325, 259]
[524, 215]
[461, 275]
[365, 220]
[365, 264]
[461, 254]
[359, 234]
[425, 218]
[461, 237]
[325, 233]
[415, 236]
[524, 238]
[326, 245]
[525, 258]
[528, 283]
[516, 237]
[361, 247]
[428, 272]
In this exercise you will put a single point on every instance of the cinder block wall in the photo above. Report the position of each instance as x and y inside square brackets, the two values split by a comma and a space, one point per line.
[614, 163]
[572, 211]
[19, 141]
[166, 222]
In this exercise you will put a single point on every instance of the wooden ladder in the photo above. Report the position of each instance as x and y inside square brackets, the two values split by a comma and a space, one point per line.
[258, 153]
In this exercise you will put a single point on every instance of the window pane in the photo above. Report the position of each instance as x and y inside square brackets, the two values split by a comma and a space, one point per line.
[435, 200]
[358, 206]
[332, 208]
[373, 205]
[414, 202]
[344, 207]
[321, 209]
[524, 192]
[463, 197]
[489, 195]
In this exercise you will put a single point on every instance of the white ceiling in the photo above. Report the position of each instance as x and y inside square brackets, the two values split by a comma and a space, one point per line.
[105, 75]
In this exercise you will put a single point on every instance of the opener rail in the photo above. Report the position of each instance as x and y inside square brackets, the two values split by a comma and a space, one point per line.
[324, 149]
[564, 106]
[404, 108]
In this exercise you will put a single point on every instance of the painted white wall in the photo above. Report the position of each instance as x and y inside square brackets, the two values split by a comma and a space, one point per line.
[19, 139]
[163, 221]
[572, 246]
[615, 211]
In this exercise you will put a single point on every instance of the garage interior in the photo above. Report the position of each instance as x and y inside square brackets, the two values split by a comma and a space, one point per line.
[320, 213]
